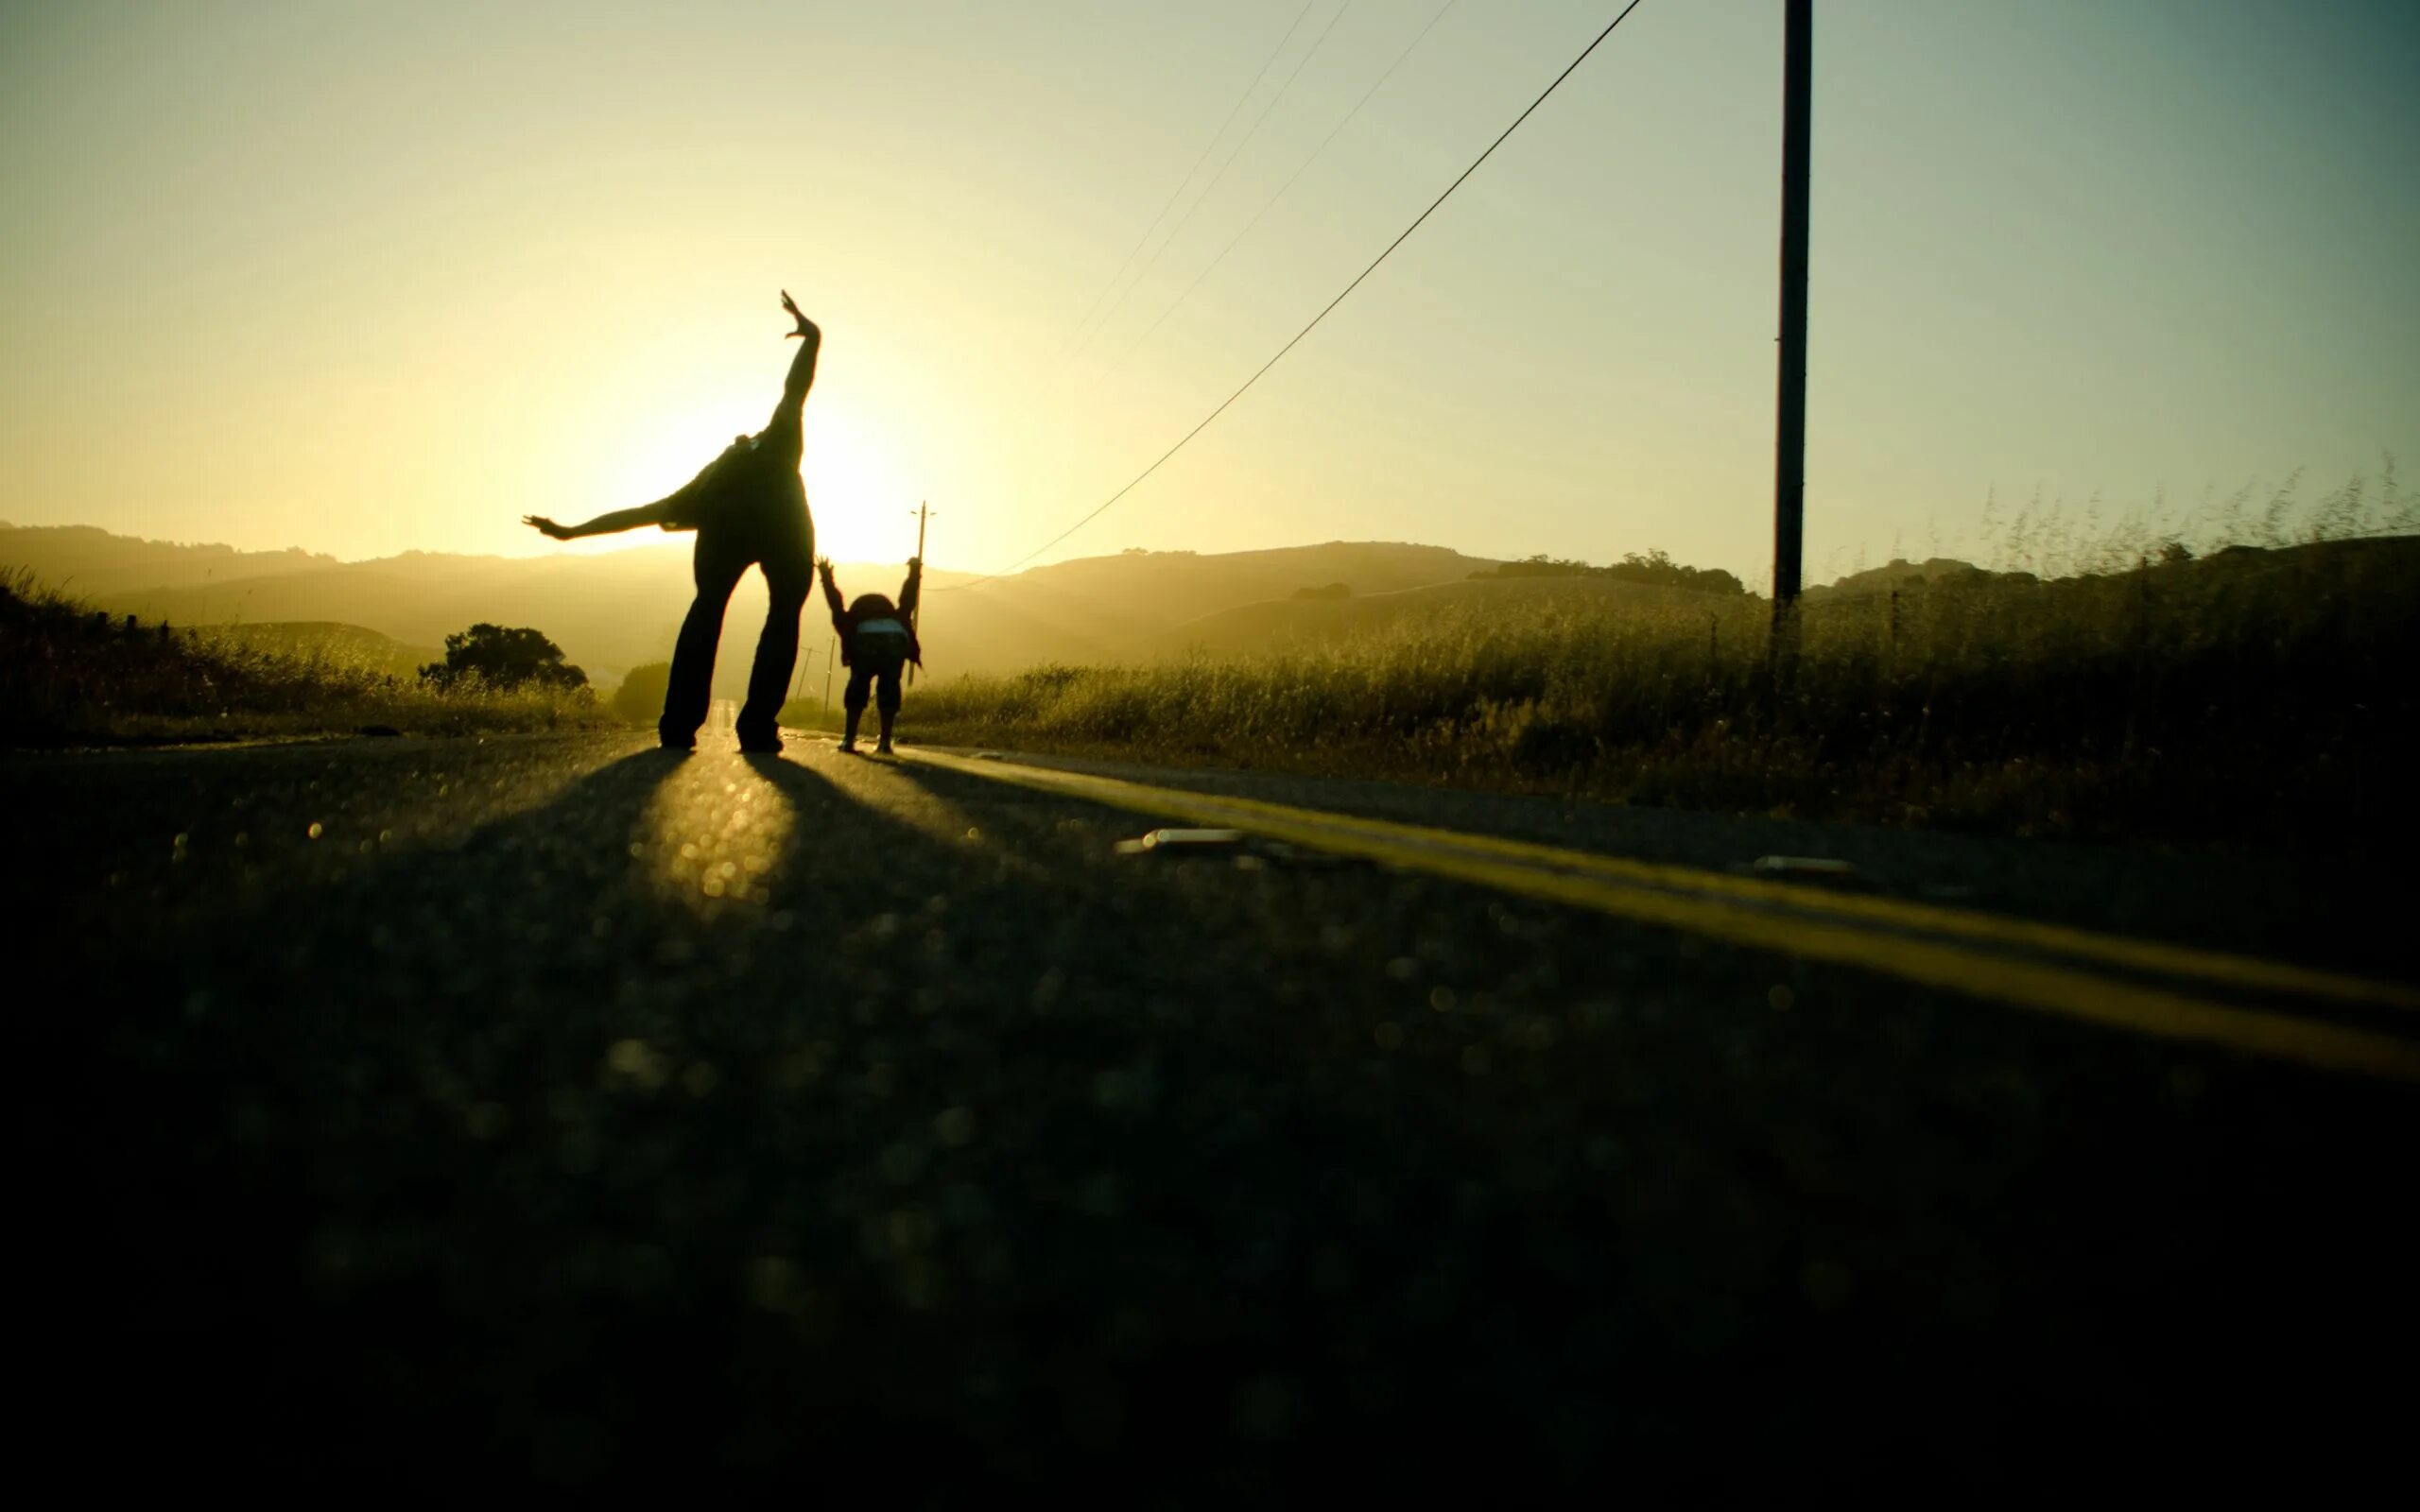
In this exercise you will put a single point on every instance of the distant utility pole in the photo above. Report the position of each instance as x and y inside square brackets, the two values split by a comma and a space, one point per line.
[924, 512]
[1789, 463]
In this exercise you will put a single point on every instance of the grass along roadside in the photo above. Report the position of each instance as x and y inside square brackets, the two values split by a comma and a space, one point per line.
[72, 677]
[2250, 696]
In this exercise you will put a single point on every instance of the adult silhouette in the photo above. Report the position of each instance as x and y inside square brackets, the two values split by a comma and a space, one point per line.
[749, 510]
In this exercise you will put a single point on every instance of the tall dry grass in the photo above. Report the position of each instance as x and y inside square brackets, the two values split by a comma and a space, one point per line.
[70, 676]
[2117, 685]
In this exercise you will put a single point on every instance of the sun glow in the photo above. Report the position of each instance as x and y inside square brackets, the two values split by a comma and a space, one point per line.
[858, 485]
[856, 482]
[715, 838]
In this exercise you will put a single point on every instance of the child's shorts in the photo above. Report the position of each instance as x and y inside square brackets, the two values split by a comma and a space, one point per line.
[875, 663]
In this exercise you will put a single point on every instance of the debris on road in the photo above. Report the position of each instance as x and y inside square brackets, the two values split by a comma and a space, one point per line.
[1248, 852]
[1806, 869]
[1183, 842]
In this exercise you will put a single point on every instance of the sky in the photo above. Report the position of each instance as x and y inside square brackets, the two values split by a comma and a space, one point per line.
[368, 277]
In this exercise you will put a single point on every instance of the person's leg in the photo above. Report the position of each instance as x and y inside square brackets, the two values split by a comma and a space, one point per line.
[788, 561]
[852, 699]
[768, 681]
[887, 699]
[690, 689]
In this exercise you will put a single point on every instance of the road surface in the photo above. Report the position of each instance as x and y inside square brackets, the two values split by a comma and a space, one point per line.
[555, 1107]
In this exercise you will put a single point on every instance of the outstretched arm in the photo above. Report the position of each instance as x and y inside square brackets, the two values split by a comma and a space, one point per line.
[604, 524]
[912, 587]
[680, 507]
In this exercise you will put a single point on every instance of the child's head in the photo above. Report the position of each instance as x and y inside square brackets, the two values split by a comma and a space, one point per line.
[872, 605]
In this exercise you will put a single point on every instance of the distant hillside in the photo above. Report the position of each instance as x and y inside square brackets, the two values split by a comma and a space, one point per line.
[1938, 572]
[348, 644]
[612, 610]
[1292, 624]
[1122, 607]
[1161, 587]
[2221, 568]
[92, 563]
[609, 610]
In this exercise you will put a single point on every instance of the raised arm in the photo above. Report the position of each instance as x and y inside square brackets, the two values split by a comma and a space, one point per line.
[909, 589]
[831, 593]
[802, 377]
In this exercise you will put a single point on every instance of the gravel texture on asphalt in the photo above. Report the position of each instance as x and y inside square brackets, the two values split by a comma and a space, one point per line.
[555, 1107]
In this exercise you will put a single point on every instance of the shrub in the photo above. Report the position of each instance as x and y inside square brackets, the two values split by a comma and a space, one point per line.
[640, 698]
[69, 676]
[503, 657]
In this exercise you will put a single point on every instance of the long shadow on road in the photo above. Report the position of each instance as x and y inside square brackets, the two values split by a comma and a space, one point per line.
[726, 1115]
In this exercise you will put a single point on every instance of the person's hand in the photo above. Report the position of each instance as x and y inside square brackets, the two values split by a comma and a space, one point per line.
[545, 527]
[805, 326]
[915, 564]
[823, 565]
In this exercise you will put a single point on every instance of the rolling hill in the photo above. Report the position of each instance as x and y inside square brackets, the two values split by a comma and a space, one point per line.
[342, 642]
[612, 610]
[1291, 624]
[92, 563]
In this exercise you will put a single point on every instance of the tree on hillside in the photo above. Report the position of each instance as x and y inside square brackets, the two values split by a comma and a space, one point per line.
[503, 657]
[1541, 565]
[1655, 567]
[640, 697]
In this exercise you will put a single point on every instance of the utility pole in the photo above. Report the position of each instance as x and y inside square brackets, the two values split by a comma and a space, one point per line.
[1790, 462]
[830, 657]
[924, 512]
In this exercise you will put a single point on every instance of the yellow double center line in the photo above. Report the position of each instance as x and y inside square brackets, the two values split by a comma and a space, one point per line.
[2051, 967]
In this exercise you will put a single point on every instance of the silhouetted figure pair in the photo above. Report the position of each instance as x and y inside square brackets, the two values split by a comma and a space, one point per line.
[877, 641]
[748, 509]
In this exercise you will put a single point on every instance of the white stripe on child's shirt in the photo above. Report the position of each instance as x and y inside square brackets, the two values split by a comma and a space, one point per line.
[883, 627]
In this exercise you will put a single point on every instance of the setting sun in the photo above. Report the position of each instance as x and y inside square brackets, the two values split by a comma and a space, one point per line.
[857, 486]
[857, 481]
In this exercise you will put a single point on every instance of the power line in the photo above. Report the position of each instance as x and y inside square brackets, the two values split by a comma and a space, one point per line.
[1224, 403]
[1220, 177]
[1271, 202]
[1241, 100]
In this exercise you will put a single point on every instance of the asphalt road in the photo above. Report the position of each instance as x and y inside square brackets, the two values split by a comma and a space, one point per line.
[554, 1108]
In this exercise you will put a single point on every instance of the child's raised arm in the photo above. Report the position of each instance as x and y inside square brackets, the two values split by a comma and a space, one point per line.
[832, 594]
